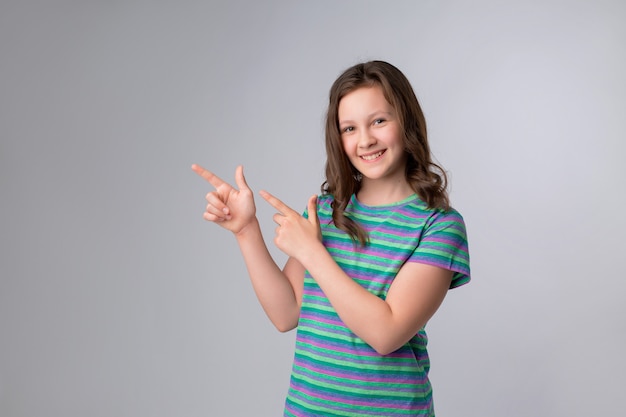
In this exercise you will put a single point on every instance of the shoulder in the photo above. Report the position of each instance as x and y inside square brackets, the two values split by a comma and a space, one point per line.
[444, 244]
[325, 199]
[325, 203]
[416, 210]
[450, 216]
[445, 226]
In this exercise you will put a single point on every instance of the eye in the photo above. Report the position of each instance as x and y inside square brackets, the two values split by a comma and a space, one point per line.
[379, 121]
[347, 129]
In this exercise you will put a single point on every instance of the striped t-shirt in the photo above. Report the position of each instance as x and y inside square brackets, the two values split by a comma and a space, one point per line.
[335, 373]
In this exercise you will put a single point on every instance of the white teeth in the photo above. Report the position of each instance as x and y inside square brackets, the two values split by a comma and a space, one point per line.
[372, 157]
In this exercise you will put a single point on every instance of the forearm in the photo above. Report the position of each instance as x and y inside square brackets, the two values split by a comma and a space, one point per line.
[368, 316]
[272, 287]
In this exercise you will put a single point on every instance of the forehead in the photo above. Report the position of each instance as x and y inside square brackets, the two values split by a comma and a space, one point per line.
[363, 101]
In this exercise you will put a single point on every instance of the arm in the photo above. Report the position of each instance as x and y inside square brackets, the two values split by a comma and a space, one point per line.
[413, 298]
[415, 295]
[279, 292]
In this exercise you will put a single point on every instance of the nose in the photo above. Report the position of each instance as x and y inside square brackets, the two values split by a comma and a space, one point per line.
[366, 139]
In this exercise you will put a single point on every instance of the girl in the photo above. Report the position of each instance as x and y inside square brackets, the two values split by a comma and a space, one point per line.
[370, 261]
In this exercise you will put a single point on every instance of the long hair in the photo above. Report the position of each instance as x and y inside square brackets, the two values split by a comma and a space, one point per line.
[425, 177]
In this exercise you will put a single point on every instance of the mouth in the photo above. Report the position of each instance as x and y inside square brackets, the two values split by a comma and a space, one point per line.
[373, 156]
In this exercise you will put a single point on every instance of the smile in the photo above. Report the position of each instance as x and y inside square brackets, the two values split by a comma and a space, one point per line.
[372, 156]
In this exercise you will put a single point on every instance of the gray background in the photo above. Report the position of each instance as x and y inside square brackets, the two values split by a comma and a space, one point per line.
[117, 299]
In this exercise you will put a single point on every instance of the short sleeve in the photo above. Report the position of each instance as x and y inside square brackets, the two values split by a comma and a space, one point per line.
[444, 244]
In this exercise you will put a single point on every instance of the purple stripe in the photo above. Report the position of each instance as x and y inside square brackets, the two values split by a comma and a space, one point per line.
[400, 377]
[399, 387]
[321, 318]
[372, 404]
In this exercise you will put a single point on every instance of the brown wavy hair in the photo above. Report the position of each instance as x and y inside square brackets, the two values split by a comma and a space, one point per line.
[427, 179]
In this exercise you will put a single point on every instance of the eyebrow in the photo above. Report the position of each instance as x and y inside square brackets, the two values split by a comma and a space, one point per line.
[370, 116]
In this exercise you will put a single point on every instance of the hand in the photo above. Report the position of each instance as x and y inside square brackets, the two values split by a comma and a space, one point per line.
[230, 208]
[295, 234]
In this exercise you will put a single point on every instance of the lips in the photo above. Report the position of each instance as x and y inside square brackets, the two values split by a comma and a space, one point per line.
[372, 156]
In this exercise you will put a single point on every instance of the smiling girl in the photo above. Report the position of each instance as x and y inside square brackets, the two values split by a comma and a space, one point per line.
[370, 261]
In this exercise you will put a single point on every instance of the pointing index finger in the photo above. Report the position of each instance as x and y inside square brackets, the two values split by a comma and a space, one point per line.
[283, 208]
[213, 179]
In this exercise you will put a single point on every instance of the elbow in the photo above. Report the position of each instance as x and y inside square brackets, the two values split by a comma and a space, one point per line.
[385, 347]
[284, 329]
[285, 326]
[384, 350]
[284, 320]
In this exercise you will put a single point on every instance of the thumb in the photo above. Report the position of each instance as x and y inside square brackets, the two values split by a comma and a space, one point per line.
[312, 210]
[240, 180]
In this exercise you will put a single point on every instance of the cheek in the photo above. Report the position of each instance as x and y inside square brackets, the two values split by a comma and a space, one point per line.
[346, 145]
[396, 138]
[349, 151]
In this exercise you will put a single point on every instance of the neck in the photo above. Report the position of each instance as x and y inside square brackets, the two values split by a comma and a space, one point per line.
[379, 193]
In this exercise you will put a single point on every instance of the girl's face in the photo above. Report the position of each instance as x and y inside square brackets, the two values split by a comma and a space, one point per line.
[371, 135]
